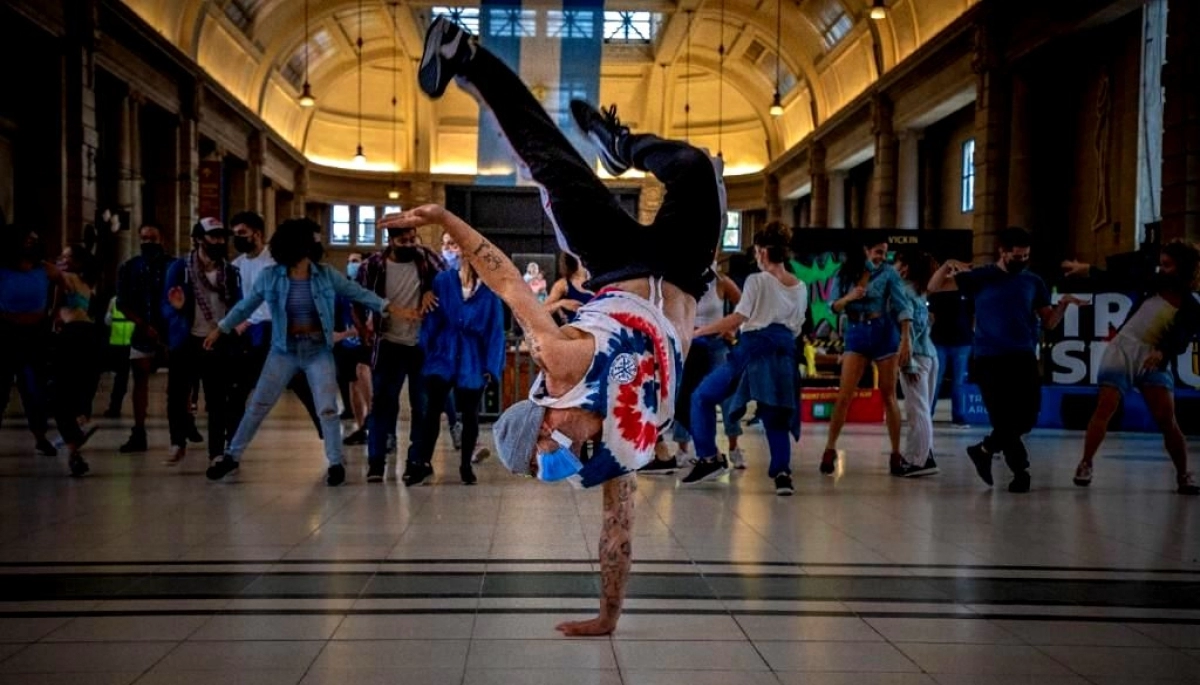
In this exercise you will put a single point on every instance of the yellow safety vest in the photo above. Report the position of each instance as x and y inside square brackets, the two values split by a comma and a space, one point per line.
[120, 334]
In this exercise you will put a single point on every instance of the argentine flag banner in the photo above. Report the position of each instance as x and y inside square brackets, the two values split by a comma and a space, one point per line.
[555, 47]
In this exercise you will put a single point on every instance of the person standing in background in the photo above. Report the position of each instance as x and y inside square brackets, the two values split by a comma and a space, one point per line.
[953, 316]
[120, 334]
[567, 294]
[353, 360]
[24, 328]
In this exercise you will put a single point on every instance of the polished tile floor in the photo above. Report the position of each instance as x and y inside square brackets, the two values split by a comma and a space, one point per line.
[147, 574]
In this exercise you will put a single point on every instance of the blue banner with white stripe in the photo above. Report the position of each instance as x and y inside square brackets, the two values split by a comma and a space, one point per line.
[556, 48]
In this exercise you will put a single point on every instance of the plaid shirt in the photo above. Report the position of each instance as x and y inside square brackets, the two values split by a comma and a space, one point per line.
[373, 276]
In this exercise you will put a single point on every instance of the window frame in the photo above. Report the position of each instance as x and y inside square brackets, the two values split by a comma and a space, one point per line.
[733, 224]
[354, 225]
[967, 176]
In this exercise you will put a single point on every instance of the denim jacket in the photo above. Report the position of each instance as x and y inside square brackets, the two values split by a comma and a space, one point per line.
[272, 287]
[885, 293]
[920, 328]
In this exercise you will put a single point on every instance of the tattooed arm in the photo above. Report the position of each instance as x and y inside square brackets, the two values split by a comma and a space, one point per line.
[616, 539]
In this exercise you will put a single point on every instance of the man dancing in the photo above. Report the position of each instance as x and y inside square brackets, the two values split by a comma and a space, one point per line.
[610, 377]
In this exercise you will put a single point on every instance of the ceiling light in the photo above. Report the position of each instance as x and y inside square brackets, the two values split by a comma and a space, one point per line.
[393, 194]
[878, 10]
[359, 158]
[776, 105]
[306, 97]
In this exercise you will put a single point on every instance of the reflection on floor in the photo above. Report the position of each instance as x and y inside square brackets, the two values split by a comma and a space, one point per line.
[146, 574]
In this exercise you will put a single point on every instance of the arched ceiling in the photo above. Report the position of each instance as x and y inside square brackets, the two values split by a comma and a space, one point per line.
[255, 48]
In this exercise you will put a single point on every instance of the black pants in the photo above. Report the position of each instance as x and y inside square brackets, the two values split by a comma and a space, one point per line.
[214, 370]
[249, 367]
[75, 369]
[24, 363]
[437, 391]
[395, 364]
[1012, 393]
[590, 223]
[119, 364]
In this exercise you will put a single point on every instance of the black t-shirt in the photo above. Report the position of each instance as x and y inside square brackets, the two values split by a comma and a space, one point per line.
[953, 319]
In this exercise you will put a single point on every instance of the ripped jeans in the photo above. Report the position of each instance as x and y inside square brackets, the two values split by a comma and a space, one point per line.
[307, 354]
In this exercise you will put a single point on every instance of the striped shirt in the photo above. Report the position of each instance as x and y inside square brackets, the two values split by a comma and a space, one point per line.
[301, 309]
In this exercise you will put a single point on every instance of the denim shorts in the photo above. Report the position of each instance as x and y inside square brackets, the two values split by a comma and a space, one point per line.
[1122, 367]
[600, 468]
[876, 339]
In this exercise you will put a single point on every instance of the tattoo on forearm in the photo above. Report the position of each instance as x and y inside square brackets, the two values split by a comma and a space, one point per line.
[616, 547]
[489, 256]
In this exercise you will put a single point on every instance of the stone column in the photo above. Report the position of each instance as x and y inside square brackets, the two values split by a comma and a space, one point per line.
[268, 208]
[993, 120]
[79, 120]
[819, 206]
[300, 199]
[256, 147]
[908, 181]
[772, 198]
[881, 209]
[1019, 202]
[1181, 125]
[129, 185]
[189, 165]
[837, 199]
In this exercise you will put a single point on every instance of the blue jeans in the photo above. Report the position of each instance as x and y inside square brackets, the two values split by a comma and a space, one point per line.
[311, 356]
[707, 353]
[955, 360]
[717, 387]
[393, 364]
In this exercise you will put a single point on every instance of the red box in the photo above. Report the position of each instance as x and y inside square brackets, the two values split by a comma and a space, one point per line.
[816, 405]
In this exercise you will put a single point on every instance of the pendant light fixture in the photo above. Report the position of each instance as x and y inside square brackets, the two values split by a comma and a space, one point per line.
[721, 87]
[359, 158]
[687, 83]
[306, 96]
[777, 101]
[879, 10]
[394, 192]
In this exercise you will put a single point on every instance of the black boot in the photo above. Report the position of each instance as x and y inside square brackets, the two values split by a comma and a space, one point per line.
[136, 442]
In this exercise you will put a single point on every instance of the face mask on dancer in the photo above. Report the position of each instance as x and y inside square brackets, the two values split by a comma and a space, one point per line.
[451, 258]
[352, 269]
[559, 464]
[152, 250]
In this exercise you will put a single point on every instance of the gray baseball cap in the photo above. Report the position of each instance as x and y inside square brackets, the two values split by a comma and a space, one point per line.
[516, 434]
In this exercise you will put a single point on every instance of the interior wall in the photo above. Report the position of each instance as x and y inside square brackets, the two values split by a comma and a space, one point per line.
[942, 151]
[6, 179]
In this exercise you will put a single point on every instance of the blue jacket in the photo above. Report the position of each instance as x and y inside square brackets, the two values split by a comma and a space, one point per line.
[272, 287]
[765, 364]
[885, 294]
[920, 327]
[463, 339]
[179, 321]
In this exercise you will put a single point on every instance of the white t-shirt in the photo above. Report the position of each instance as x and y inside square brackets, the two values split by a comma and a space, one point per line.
[766, 301]
[251, 268]
[403, 287]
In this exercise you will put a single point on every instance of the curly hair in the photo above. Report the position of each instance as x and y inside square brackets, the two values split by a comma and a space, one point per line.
[294, 240]
[920, 266]
[1187, 262]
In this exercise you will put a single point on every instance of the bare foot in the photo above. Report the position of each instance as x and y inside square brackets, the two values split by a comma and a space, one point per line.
[595, 626]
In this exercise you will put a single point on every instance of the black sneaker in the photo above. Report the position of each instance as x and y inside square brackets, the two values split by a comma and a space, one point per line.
[982, 459]
[78, 466]
[45, 448]
[335, 476]
[194, 435]
[829, 461]
[447, 48]
[929, 468]
[416, 473]
[897, 464]
[705, 470]
[660, 467]
[375, 472]
[605, 131]
[358, 437]
[222, 469]
[1186, 485]
[467, 474]
[783, 485]
[1020, 482]
[136, 442]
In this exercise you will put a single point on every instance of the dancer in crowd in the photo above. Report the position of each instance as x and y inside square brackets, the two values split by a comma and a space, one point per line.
[567, 294]
[403, 275]
[120, 335]
[536, 280]
[200, 289]
[451, 255]
[1160, 327]
[463, 339]
[706, 354]
[353, 359]
[24, 301]
[953, 320]
[1017, 304]
[249, 239]
[140, 286]
[871, 296]
[75, 364]
[301, 293]
[610, 377]
[919, 372]
[762, 366]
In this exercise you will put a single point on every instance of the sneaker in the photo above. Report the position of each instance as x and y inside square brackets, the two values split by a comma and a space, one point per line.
[982, 459]
[737, 459]
[78, 466]
[828, 461]
[1083, 474]
[706, 470]
[376, 473]
[1186, 485]
[783, 485]
[176, 455]
[335, 475]
[912, 470]
[223, 469]
[1020, 482]
[416, 473]
[605, 131]
[897, 464]
[195, 436]
[456, 436]
[447, 48]
[45, 448]
[136, 442]
[481, 453]
[467, 474]
[660, 467]
[358, 437]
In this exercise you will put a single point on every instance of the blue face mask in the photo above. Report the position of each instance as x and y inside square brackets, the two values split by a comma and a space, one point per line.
[559, 464]
[352, 269]
[872, 267]
[451, 258]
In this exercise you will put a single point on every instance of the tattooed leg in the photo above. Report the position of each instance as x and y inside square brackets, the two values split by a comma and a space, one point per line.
[616, 540]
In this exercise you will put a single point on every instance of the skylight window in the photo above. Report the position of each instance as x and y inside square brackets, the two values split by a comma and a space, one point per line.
[569, 24]
[830, 19]
[466, 17]
[630, 27]
[241, 13]
[511, 22]
[319, 46]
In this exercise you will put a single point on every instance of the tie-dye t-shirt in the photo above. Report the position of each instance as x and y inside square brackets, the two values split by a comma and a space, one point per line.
[633, 378]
